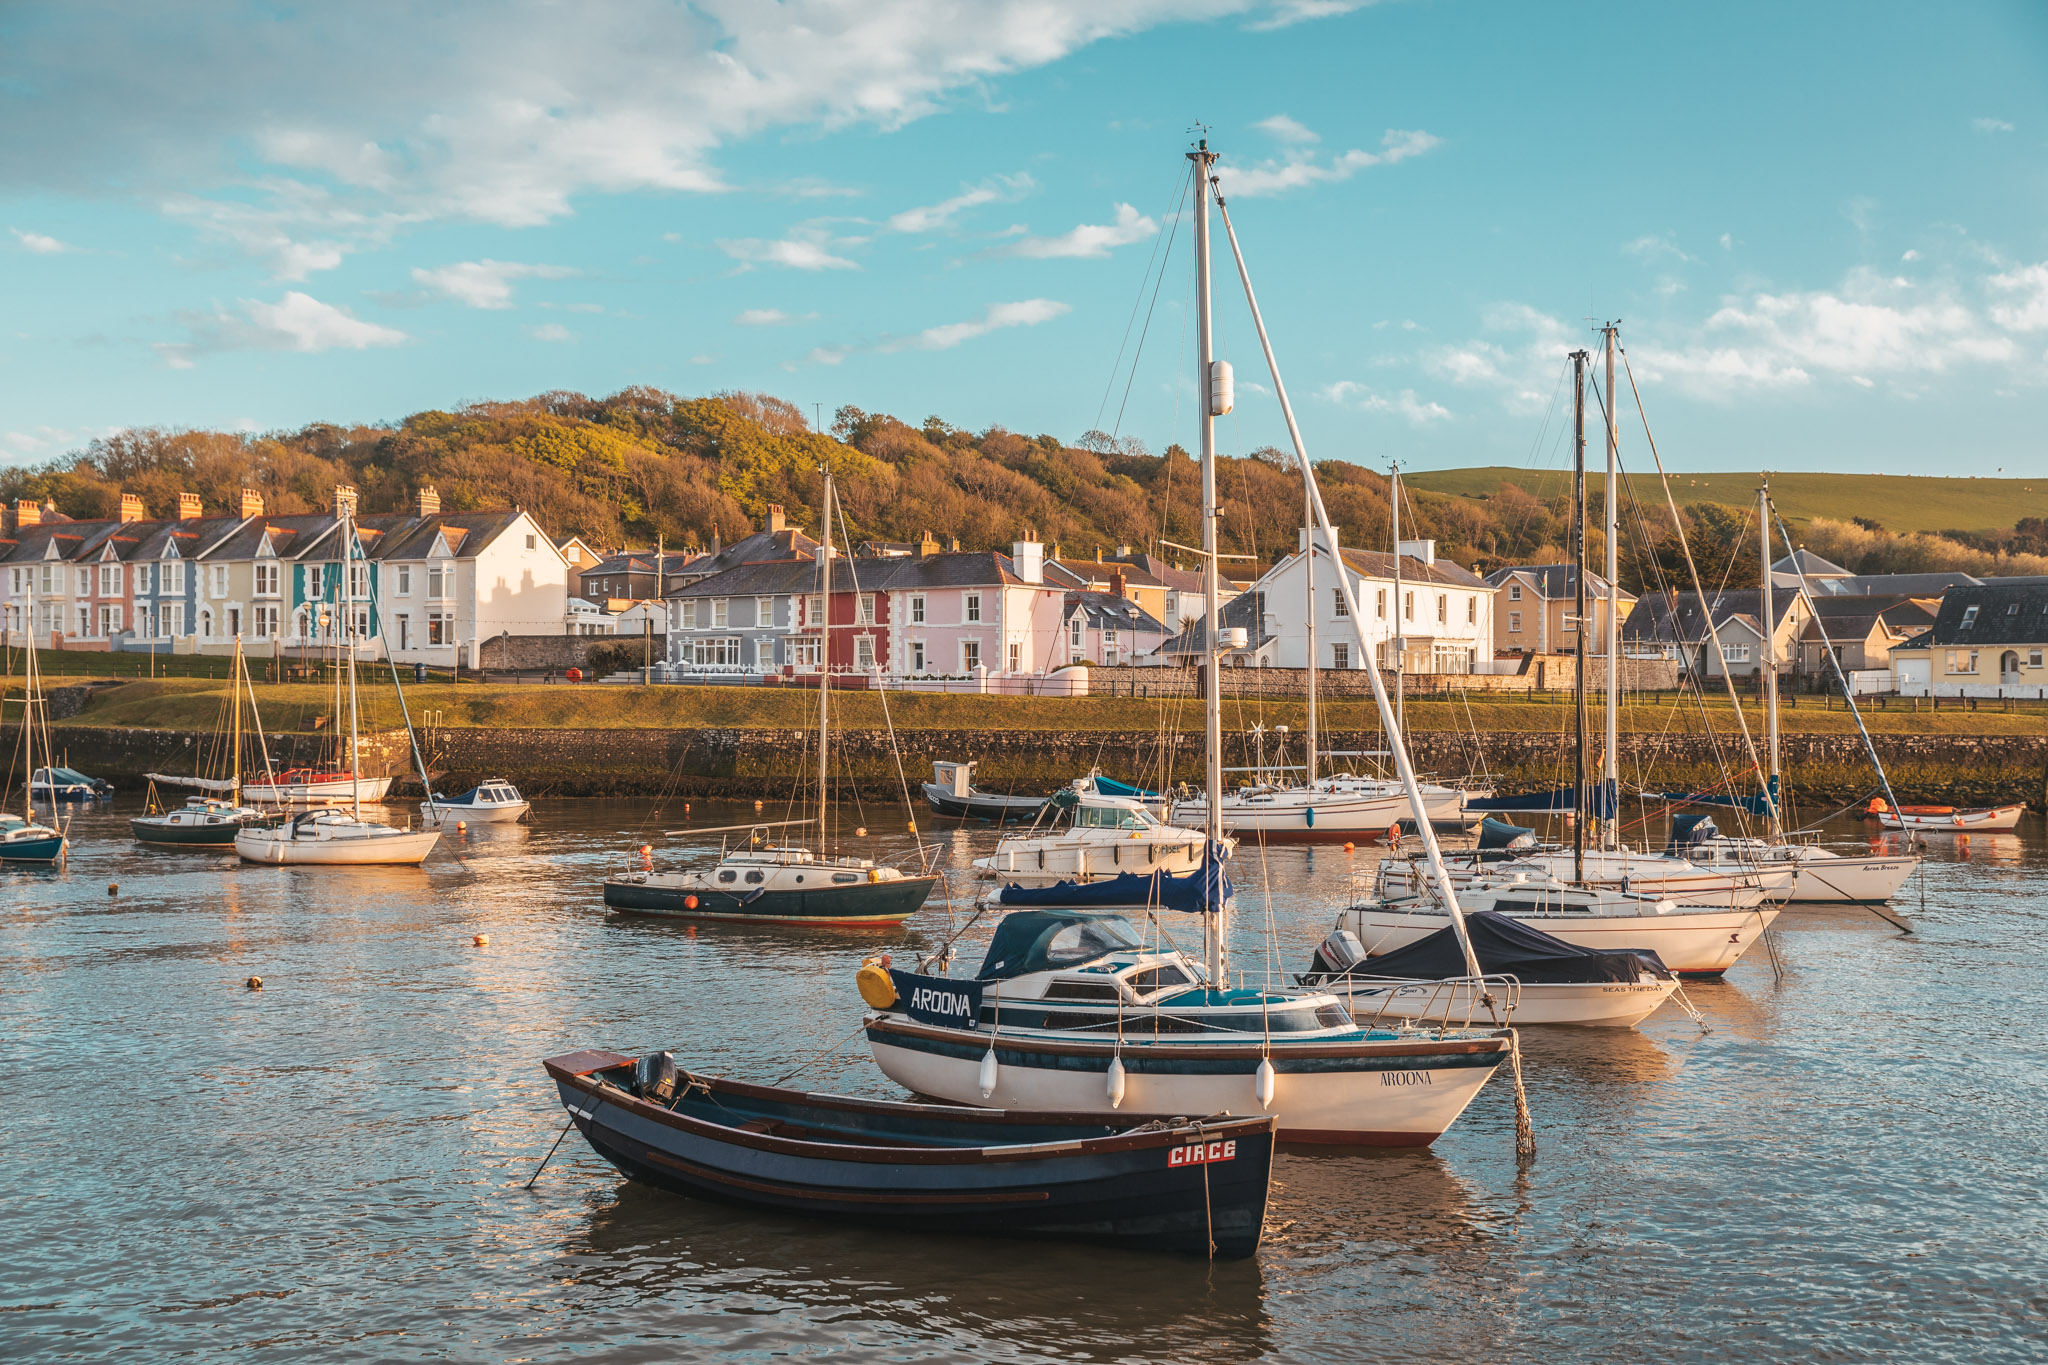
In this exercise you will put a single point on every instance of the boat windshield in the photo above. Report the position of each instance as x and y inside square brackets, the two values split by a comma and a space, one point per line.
[1109, 817]
[1042, 940]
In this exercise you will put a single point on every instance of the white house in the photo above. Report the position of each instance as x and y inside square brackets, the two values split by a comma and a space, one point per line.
[1441, 613]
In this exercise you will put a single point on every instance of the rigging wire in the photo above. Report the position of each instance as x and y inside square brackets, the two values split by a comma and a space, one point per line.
[1117, 364]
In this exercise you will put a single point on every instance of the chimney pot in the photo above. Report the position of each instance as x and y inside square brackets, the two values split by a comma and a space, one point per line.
[426, 502]
[27, 512]
[189, 507]
[131, 508]
[775, 517]
[344, 500]
[252, 503]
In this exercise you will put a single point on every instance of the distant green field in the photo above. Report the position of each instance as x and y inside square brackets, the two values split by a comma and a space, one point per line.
[1899, 502]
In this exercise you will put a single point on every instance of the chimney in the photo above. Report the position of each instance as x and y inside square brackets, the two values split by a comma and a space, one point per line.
[1054, 552]
[252, 503]
[775, 520]
[426, 502]
[1424, 550]
[189, 507]
[927, 544]
[344, 500]
[1116, 584]
[27, 512]
[1122, 551]
[953, 544]
[131, 508]
[1028, 558]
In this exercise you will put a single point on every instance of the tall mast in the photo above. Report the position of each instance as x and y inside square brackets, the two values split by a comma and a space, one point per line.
[1610, 774]
[1579, 606]
[345, 595]
[1212, 619]
[824, 654]
[1308, 535]
[235, 700]
[1770, 660]
[1400, 628]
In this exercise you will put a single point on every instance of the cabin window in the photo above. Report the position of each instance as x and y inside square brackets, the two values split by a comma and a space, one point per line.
[1081, 990]
[1156, 979]
[1108, 817]
[1089, 939]
[728, 876]
[753, 877]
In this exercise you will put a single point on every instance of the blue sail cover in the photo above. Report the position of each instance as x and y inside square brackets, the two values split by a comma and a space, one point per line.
[1109, 786]
[1601, 802]
[1195, 893]
[1755, 805]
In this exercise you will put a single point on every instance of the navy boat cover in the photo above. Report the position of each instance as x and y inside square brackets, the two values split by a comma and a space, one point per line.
[1046, 940]
[1194, 893]
[1506, 946]
[1600, 801]
[1689, 830]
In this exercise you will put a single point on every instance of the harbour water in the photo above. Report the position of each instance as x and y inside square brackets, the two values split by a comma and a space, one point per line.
[1849, 1164]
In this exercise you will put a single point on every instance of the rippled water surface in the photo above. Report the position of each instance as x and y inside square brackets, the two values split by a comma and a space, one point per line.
[1849, 1165]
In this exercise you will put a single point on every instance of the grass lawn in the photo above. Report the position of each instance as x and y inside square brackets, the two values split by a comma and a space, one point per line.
[196, 704]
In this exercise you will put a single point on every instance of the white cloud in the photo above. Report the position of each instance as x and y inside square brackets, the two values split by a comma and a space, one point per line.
[1025, 313]
[1286, 13]
[2023, 295]
[296, 322]
[38, 243]
[1990, 125]
[797, 253]
[1285, 129]
[931, 217]
[1727, 241]
[1091, 240]
[770, 317]
[1405, 405]
[485, 283]
[551, 331]
[1653, 247]
[1298, 167]
[1911, 255]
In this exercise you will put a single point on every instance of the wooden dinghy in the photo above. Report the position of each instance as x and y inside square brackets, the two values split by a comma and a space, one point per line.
[1192, 1186]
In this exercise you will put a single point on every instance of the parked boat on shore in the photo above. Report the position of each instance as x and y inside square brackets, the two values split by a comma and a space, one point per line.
[1193, 1186]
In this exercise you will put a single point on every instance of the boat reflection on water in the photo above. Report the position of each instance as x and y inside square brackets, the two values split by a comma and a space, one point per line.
[953, 1297]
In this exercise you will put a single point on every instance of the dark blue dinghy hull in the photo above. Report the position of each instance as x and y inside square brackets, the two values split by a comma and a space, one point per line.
[1131, 1181]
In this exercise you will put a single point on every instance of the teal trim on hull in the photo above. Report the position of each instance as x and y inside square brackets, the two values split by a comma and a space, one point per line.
[865, 903]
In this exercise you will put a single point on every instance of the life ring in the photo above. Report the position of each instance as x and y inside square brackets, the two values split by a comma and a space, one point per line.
[1394, 833]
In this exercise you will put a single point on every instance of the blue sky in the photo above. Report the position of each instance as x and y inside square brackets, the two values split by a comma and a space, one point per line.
[1822, 225]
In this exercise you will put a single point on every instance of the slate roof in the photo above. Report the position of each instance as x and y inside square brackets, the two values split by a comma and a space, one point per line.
[1374, 564]
[1810, 564]
[1677, 618]
[2014, 615]
[966, 569]
[1553, 582]
[788, 543]
[1108, 611]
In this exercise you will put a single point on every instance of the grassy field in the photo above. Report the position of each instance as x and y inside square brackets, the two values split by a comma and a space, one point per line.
[181, 704]
[1901, 503]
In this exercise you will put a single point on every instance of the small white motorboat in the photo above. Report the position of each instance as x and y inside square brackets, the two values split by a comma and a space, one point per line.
[491, 801]
[67, 784]
[326, 837]
[1946, 819]
[1106, 837]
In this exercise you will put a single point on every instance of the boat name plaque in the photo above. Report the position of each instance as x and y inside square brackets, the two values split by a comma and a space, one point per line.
[1202, 1153]
[942, 1000]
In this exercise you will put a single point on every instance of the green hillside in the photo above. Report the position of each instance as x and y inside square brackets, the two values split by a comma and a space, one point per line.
[1901, 503]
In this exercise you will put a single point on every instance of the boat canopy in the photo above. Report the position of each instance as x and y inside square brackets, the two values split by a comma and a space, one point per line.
[1186, 893]
[1505, 946]
[1600, 801]
[1048, 940]
[1109, 786]
[1689, 831]
[1495, 834]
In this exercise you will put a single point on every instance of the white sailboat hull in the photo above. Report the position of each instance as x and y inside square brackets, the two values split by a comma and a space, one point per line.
[1056, 858]
[276, 848]
[501, 813]
[1301, 815]
[1603, 1004]
[1383, 1103]
[1636, 875]
[329, 792]
[1852, 879]
[1702, 942]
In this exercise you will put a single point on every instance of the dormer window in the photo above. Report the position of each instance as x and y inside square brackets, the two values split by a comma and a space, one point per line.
[1969, 618]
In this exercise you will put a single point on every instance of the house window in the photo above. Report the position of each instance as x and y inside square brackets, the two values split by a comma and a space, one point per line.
[206, 624]
[1962, 660]
[110, 620]
[49, 578]
[917, 656]
[171, 577]
[718, 612]
[530, 542]
[1514, 592]
[171, 618]
[973, 607]
[764, 611]
[2033, 658]
[2013, 610]
[358, 582]
[437, 579]
[1407, 606]
[917, 610]
[1514, 623]
[814, 609]
[405, 580]
[1571, 624]
[867, 608]
[234, 620]
[1969, 618]
[440, 628]
[404, 631]
[1735, 654]
[1016, 657]
[1471, 611]
[804, 654]
[266, 580]
[1337, 597]
[1340, 656]
[142, 579]
[970, 655]
[316, 581]
[1382, 604]
[1443, 608]
[85, 582]
[864, 653]
[266, 620]
[720, 651]
[1109, 636]
[84, 621]
[688, 616]
[1074, 632]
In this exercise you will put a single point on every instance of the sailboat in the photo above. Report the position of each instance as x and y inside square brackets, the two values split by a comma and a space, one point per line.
[23, 838]
[340, 781]
[1073, 1010]
[1821, 875]
[328, 836]
[210, 821]
[769, 883]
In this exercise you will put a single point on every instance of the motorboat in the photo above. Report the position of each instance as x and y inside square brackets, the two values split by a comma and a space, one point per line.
[202, 822]
[1321, 812]
[766, 883]
[1190, 1185]
[952, 793]
[1690, 940]
[1530, 977]
[317, 787]
[491, 801]
[329, 837]
[52, 784]
[1072, 1012]
[1946, 819]
[1104, 838]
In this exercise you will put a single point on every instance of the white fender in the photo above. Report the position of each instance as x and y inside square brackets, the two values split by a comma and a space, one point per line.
[1263, 1086]
[1116, 1082]
[988, 1072]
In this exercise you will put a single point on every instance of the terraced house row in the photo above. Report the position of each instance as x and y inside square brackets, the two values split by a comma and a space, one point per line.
[423, 585]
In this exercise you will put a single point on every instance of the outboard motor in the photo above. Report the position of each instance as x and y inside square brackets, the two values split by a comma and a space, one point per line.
[654, 1077]
[1338, 953]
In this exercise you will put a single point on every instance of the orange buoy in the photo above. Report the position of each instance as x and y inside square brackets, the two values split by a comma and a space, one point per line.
[482, 940]
[757, 805]
[1393, 834]
[690, 903]
[860, 832]
[1348, 848]
[462, 826]
[113, 888]
[255, 983]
